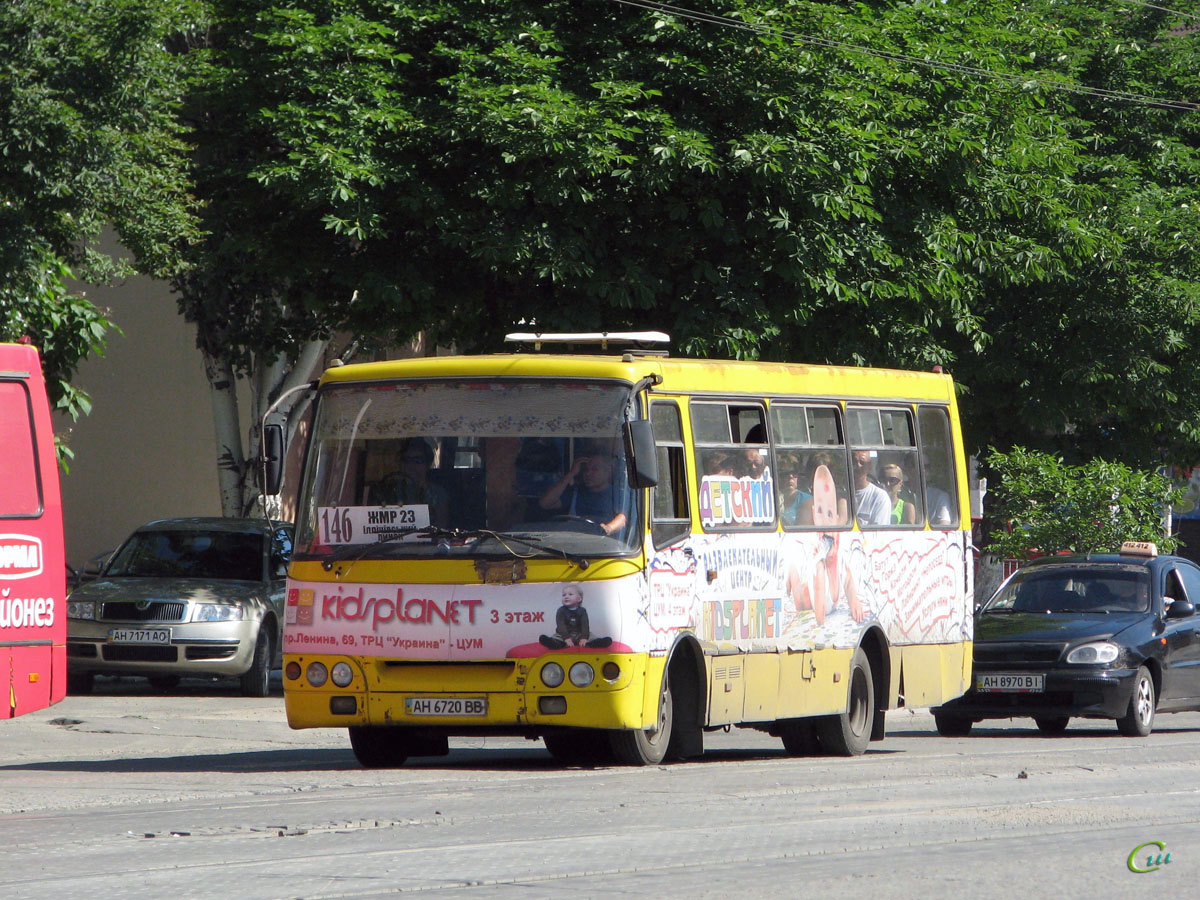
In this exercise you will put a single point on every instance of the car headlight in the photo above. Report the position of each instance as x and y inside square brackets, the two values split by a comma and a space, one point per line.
[581, 674]
[1096, 653]
[81, 609]
[216, 612]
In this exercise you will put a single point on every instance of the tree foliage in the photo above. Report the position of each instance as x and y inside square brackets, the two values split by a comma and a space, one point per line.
[983, 186]
[1047, 506]
[87, 141]
[887, 183]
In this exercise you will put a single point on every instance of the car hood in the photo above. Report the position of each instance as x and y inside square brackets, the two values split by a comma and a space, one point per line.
[168, 590]
[1051, 627]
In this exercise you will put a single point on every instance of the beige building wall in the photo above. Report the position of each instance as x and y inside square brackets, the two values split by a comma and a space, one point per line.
[147, 450]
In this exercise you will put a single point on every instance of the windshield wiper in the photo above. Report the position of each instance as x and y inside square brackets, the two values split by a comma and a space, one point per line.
[500, 537]
[435, 532]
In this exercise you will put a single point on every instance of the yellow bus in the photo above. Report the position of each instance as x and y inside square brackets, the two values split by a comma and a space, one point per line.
[617, 552]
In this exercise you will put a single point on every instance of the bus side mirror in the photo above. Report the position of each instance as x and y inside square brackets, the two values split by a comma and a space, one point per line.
[641, 453]
[272, 458]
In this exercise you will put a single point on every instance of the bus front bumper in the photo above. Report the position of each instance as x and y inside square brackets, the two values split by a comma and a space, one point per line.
[492, 696]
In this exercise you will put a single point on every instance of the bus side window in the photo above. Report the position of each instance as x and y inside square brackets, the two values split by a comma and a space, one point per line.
[735, 465]
[670, 514]
[937, 456]
[812, 484]
[887, 472]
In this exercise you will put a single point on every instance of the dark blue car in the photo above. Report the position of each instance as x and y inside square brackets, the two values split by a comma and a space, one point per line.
[1112, 636]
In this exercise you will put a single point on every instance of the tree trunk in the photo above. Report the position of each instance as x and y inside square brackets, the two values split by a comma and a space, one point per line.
[270, 380]
[231, 461]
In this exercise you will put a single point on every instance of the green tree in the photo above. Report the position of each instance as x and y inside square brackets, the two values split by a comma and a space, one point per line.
[1042, 504]
[825, 183]
[87, 140]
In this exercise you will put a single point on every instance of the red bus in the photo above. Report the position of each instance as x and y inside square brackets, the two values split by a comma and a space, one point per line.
[33, 584]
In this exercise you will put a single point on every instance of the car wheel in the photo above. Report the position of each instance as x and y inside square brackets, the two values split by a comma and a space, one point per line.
[256, 682]
[1138, 720]
[646, 748]
[849, 733]
[1052, 725]
[951, 725]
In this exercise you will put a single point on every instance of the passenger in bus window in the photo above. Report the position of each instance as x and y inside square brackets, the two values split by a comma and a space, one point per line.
[937, 502]
[755, 461]
[410, 485]
[792, 498]
[594, 488]
[904, 510]
[872, 505]
[719, 463]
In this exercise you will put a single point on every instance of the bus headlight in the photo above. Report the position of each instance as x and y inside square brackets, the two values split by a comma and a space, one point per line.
[341, 674]
[582, 674]
[317, 674]
[552, 674]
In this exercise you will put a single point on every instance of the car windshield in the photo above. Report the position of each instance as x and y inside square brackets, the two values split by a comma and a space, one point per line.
[1075, 589]
[190, 554]
[475, 467]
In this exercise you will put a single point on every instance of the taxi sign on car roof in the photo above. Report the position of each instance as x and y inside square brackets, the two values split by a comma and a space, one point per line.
[1139, 548]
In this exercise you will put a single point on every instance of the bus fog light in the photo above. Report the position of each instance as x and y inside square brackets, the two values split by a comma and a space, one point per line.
[317, 674]
[343, 705]
[582, 674]
[611, 671]
[552, 675]
[292, 670]
[341, 674]
[552, 706]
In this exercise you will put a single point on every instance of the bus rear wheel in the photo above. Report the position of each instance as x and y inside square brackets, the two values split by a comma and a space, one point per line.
[646, 748]
[848, 733]
[799, 737]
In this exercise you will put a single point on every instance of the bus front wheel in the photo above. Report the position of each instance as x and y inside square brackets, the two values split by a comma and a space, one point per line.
[646, 748]
[378, 747]
[848, 733]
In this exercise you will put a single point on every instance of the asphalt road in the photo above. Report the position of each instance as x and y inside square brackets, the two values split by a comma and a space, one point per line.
[205, 794]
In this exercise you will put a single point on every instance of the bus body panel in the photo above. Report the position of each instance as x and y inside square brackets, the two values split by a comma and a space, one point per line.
[33, 619]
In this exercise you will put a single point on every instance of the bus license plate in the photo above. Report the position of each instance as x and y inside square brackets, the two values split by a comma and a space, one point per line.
[1011, 682]
[139, 635]
[445, 706]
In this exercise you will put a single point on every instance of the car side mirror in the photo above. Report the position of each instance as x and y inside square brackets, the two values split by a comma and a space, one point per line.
[1181, 609]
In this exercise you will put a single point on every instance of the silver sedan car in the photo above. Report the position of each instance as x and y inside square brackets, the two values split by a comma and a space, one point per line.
[197, 596]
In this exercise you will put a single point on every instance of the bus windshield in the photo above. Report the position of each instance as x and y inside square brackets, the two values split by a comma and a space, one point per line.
[468, 467]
